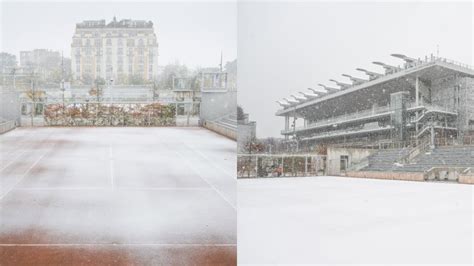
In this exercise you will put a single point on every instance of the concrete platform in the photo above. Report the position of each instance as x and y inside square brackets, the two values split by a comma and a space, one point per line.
[349, 221]
[117, 196]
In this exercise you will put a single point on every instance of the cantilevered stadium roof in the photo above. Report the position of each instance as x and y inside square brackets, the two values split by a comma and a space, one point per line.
[425, 70]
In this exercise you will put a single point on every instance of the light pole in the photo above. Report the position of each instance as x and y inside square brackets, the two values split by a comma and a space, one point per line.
[62, 78]
[33, 98]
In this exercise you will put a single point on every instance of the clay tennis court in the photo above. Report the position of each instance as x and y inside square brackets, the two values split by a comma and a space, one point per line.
[121, 196]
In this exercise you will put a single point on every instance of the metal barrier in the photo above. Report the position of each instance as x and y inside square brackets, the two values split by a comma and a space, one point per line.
[280, 165]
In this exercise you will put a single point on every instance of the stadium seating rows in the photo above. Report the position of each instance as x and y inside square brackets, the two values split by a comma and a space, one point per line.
[452, 156]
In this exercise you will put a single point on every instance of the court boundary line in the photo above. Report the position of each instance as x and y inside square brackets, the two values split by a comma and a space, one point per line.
[116, 188]
[116, 244]
[205, 180]
[28, 170]
[111, 166]
[212, 162]
[23, 144]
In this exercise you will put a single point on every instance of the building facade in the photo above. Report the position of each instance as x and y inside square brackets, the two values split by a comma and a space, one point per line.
[40, 58]
[7, 63]
[424, 100]
[119, 52]
[46, 64]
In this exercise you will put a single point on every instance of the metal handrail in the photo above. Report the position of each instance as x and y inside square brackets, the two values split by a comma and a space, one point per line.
[415, 151]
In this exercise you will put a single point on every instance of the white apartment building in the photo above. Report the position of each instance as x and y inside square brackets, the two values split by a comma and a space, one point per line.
[117, 52]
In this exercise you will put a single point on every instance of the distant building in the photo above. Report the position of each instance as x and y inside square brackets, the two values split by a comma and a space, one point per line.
[119, 51]
[40, 58]
[7, 63]
[43, 62]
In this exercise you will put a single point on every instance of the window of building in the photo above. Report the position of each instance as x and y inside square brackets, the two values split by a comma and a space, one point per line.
[109, 42]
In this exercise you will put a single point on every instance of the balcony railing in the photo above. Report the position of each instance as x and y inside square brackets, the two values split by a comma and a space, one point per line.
[342, 119]
[365, 114]
[346, 132]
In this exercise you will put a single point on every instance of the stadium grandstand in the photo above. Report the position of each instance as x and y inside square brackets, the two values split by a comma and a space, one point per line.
[415, 116]
[431, 97]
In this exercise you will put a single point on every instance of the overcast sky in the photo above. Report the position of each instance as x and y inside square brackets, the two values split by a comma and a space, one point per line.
[287, 47]
[193, 33]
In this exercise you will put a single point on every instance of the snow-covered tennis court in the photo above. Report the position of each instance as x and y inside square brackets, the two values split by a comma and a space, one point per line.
[117, 196]
[336, 220]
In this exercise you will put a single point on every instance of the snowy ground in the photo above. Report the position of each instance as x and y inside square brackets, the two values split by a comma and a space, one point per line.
[336, 220]
[117, 196]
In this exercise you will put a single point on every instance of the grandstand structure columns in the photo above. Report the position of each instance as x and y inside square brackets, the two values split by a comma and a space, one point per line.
[417, 114]
[287, 125]
[432, 131]
[417, 90]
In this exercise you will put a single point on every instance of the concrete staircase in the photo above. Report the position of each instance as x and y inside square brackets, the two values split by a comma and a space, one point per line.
[385, 160]
[452, 156]
[226, 126]
[229, 122]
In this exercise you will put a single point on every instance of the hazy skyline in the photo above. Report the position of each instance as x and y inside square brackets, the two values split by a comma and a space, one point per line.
[287, 47]
[193, 33]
